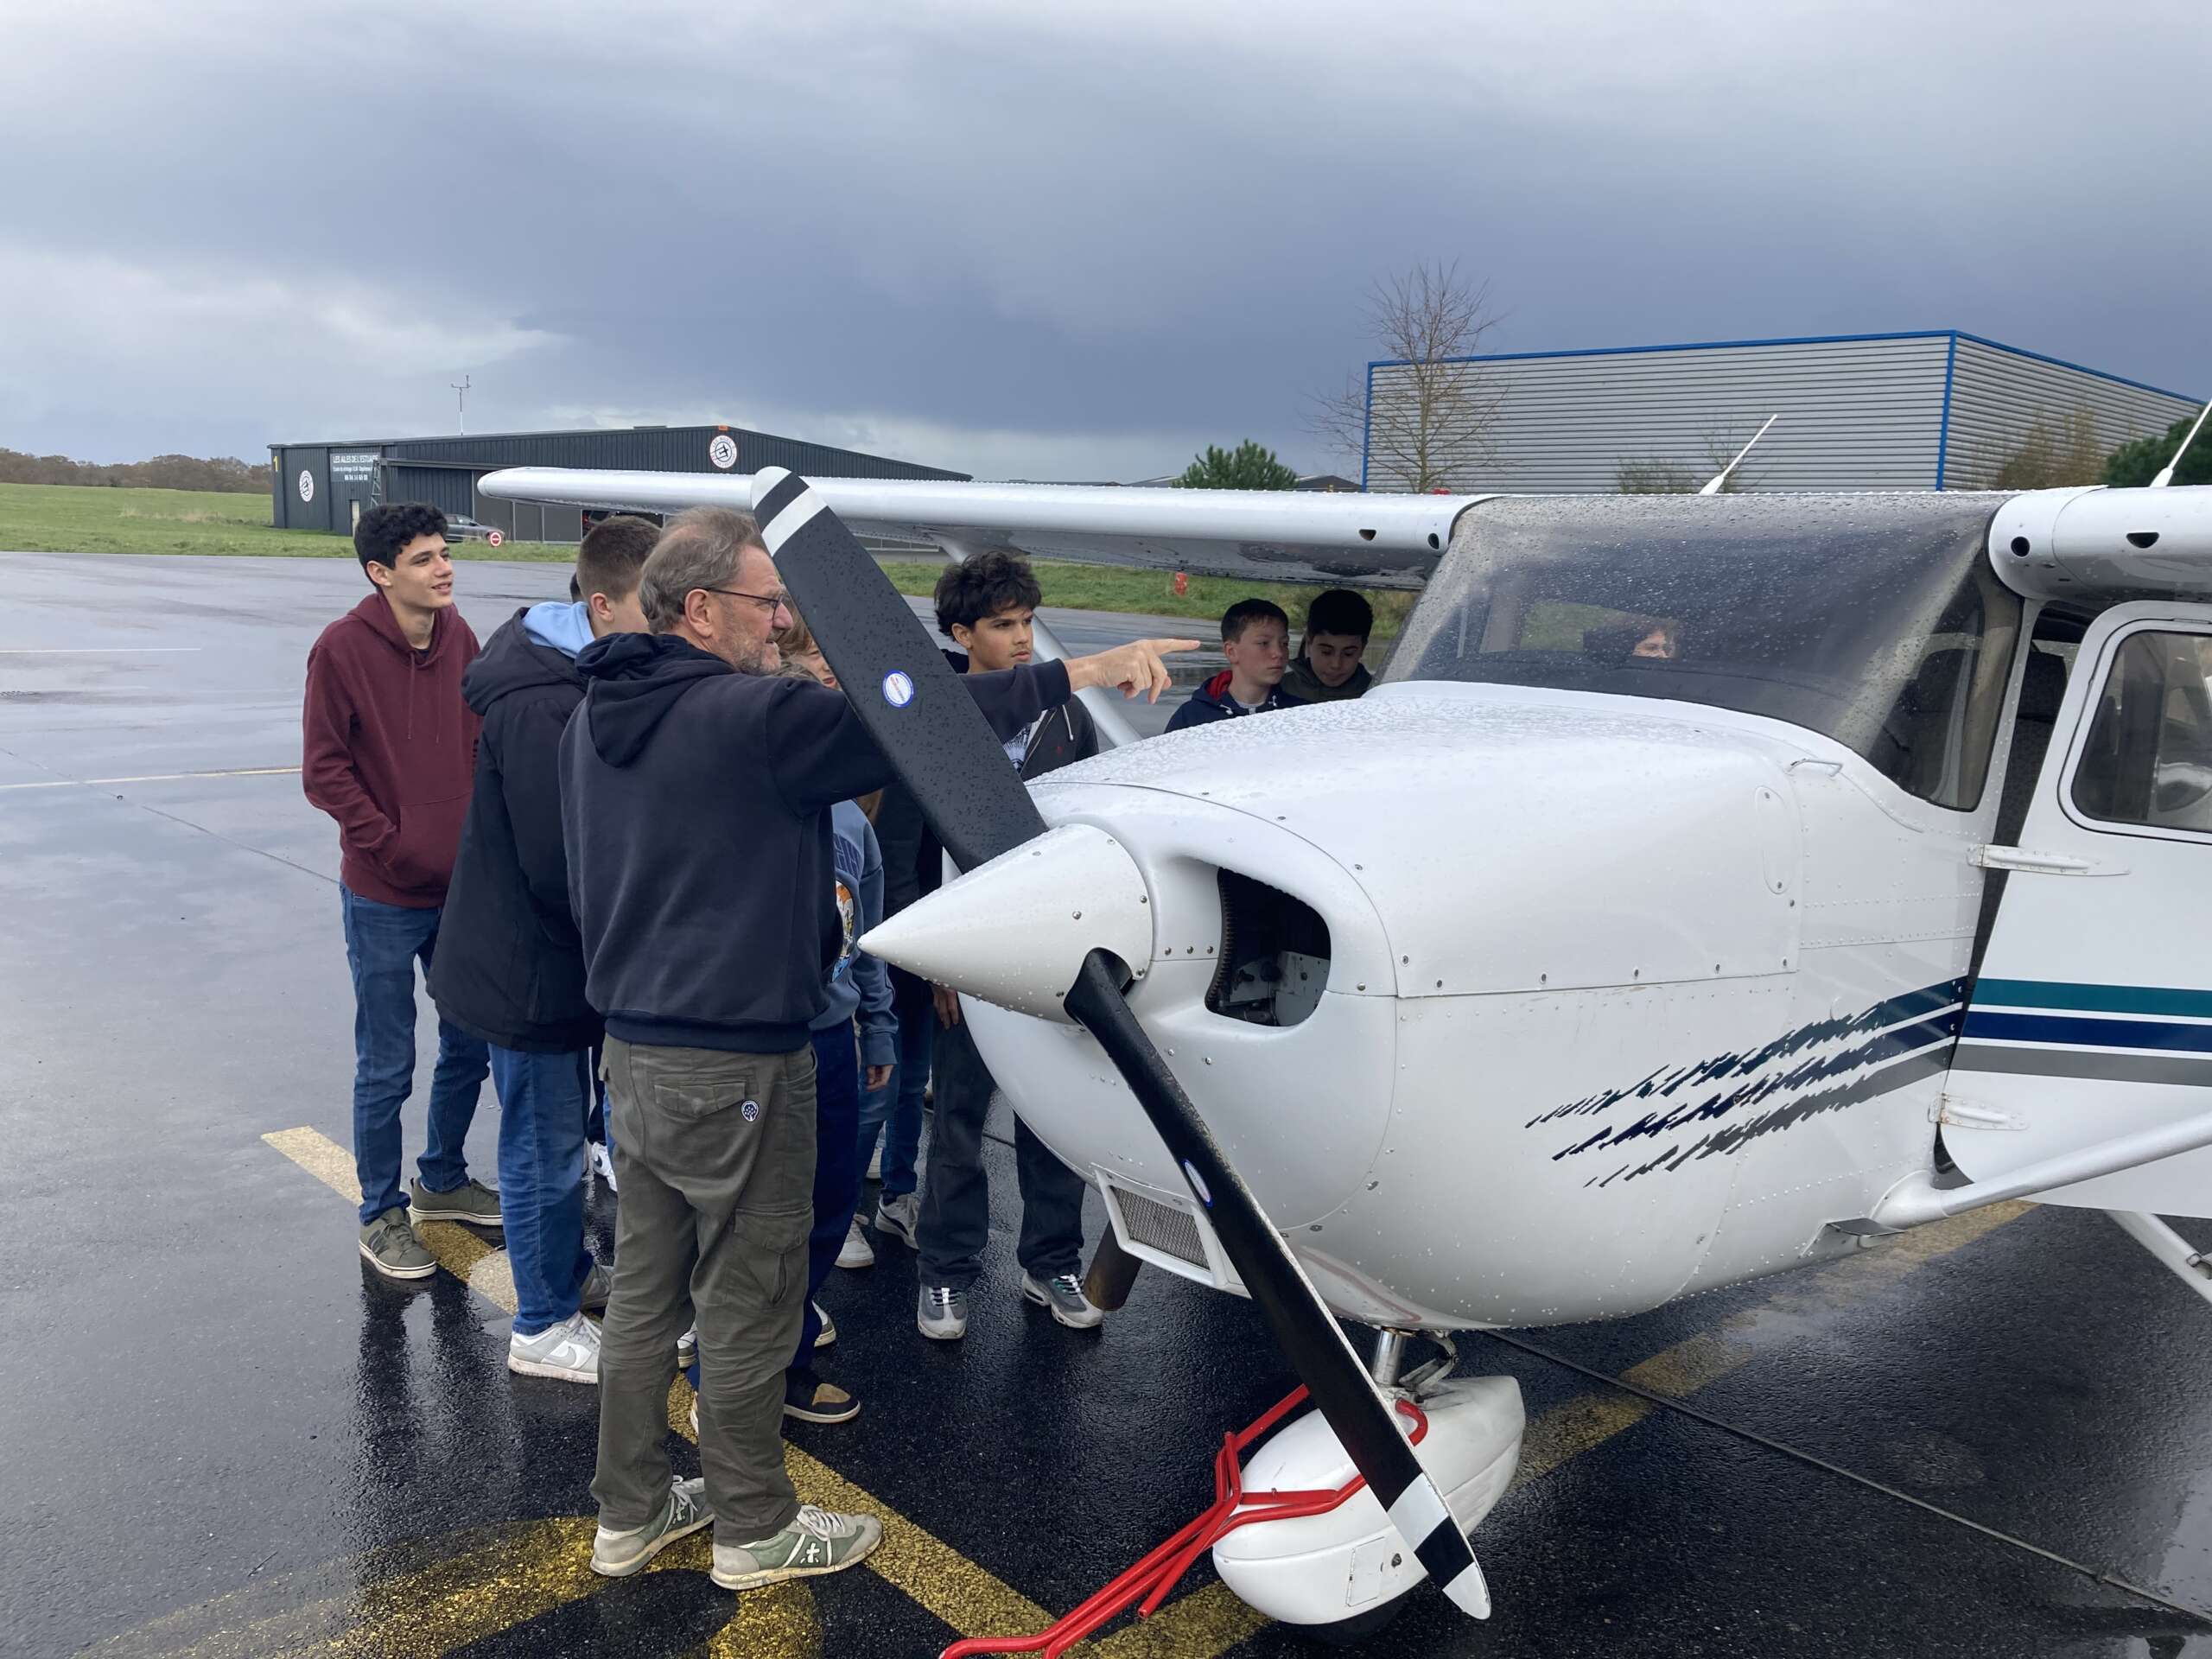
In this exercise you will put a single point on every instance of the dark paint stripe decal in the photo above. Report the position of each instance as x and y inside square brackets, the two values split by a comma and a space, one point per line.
[2082, 1063]
[2097, 1034]
[2092, 999]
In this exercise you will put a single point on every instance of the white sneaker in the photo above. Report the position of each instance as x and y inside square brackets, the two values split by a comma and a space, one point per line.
[569, 1351]
[899, 1216]
[829, 1333]
[857, 1252]
[687, 1349]
[875, 1162]
[602, 1164]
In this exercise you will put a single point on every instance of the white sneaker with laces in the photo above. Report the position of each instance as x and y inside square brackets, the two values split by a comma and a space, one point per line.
[602, 1164]
[567, 1351]
[817, 1542]
[857, 1251]
[899, 1216]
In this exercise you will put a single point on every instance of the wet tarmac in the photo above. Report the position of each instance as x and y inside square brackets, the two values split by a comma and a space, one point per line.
[224, 1436]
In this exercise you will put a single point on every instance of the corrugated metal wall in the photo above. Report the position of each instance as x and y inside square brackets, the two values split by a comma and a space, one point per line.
[1856, 414]
[1861, 413]
[1997, 393]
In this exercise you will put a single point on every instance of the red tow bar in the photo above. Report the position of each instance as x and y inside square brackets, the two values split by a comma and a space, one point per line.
[1149, 1582]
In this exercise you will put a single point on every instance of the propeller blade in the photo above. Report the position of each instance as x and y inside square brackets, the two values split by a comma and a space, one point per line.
[1302, 1325]
[894, 675]
[914, 707]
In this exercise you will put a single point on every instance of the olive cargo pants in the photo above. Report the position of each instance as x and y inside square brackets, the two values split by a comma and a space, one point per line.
[714, 1156]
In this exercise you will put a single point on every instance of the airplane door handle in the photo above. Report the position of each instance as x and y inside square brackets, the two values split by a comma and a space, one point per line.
[2029, 862]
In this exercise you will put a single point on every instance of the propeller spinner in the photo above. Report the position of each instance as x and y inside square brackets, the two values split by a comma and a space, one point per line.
[930, 731]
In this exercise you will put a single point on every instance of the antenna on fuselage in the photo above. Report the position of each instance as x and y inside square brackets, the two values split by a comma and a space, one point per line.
[1714, 484]
[2166, 472]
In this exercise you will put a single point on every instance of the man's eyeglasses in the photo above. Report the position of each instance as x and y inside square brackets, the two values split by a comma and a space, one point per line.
[773, 602]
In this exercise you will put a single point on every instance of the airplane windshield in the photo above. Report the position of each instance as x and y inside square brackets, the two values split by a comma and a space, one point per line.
[1875, 620]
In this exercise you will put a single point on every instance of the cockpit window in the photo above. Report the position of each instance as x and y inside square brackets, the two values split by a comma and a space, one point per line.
[1875, 620]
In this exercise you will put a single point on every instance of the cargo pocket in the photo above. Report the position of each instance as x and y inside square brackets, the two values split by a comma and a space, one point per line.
[772, 1250]
[693, 1096]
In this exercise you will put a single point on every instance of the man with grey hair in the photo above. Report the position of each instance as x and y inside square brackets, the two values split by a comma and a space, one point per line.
[696, 793]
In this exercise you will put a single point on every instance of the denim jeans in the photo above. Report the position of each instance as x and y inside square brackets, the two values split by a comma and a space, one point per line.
[544, 1100]
[894, 1111]
[955, 1218]
[837, 1168]
[382, 943]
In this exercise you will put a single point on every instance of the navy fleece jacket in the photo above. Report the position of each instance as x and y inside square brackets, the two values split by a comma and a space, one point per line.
[694, 807]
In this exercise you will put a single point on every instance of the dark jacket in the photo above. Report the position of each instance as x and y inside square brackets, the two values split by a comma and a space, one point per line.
[1212, 702]
[695, 805]
[913, 861]
[509, 967]
[386, 748]
[1302, 685]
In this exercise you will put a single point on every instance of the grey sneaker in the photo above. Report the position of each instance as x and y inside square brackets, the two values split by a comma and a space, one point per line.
[817, 1542]
[827, 1335]
[598, 1283]
[393, 1250]
[1062, 1294]
[567, 1351]
[471, 1201]
[898, 1216]
[942, 1314]
[617, 1555]
[857, 1252]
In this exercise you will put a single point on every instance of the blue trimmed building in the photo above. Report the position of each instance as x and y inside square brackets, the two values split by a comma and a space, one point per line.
[1914, 411]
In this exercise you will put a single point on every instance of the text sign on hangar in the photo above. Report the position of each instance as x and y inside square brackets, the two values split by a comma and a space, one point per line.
[353, 465]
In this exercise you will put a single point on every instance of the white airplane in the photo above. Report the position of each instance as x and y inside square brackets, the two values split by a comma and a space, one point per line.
[1552, 981]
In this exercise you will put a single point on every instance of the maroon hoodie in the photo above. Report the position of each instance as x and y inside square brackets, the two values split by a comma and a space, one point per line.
[389, 748]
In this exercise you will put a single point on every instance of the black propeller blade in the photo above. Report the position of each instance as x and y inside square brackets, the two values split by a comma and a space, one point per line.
[914, 707]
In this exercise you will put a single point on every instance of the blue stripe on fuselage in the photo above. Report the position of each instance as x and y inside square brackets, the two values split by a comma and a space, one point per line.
[1983, 1024]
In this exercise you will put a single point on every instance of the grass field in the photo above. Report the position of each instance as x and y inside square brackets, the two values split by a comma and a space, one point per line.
[71, 518]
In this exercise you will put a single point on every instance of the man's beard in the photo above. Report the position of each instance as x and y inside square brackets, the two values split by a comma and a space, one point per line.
[756, 656]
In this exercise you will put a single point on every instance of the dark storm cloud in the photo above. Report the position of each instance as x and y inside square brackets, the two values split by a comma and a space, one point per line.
[1023, 240]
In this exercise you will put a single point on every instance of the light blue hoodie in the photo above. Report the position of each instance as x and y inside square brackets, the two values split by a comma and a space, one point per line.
[559, 626]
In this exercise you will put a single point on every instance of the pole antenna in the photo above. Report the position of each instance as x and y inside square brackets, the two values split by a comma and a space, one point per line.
[1714, 485]
[460, 391]
[2166, 472]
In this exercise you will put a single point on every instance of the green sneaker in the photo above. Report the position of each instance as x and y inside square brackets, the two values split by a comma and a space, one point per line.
[472, 1202]
[393, 1250]
[817, 1542]
[617, 1555]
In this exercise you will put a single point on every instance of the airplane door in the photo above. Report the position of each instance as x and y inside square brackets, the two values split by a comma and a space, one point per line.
[2092, 1016]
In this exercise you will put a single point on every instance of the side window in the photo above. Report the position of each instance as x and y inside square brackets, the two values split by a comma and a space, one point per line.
[2148, 757]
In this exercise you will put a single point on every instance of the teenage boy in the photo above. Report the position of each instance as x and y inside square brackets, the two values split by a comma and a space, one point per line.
[387, 748]
[696, 789]
[987, 605]
[1328, 670]
[858, 987]
[1255, 638]
[513, 970]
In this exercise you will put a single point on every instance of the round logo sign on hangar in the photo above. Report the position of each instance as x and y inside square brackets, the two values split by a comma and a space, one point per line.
[722, 450]
[307, 485]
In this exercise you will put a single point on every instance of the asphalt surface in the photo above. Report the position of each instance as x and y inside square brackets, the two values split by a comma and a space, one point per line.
[224, 1436]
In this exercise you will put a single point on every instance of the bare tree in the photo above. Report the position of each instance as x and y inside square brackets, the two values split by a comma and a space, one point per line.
[2052, 452]
[1434, 415]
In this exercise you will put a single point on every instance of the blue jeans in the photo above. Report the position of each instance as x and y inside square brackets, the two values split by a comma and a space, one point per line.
[382, 944]
[544, 1100]
[895, 1110]
[837, 1168]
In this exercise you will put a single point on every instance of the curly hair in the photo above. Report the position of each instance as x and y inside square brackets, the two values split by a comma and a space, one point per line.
[990, 582]
[383, 531]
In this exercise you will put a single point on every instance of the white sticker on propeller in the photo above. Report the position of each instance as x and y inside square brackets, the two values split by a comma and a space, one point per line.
[897, 688]
[1198, 1184]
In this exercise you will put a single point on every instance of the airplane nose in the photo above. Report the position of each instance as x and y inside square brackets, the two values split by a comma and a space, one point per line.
[1016, 931]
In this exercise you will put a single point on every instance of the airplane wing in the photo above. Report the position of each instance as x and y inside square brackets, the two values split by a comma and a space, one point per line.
[1377, 541]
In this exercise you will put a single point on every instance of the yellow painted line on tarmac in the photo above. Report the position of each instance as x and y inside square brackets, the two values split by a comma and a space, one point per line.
[928, 1570]
[1589, 1420]
[158, 778]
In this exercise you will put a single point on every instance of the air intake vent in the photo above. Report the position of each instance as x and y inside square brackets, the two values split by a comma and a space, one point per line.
[1274, 955]
[1160, 1227]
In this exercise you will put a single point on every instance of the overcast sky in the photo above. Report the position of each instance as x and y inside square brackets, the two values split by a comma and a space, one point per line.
[1027, 238]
